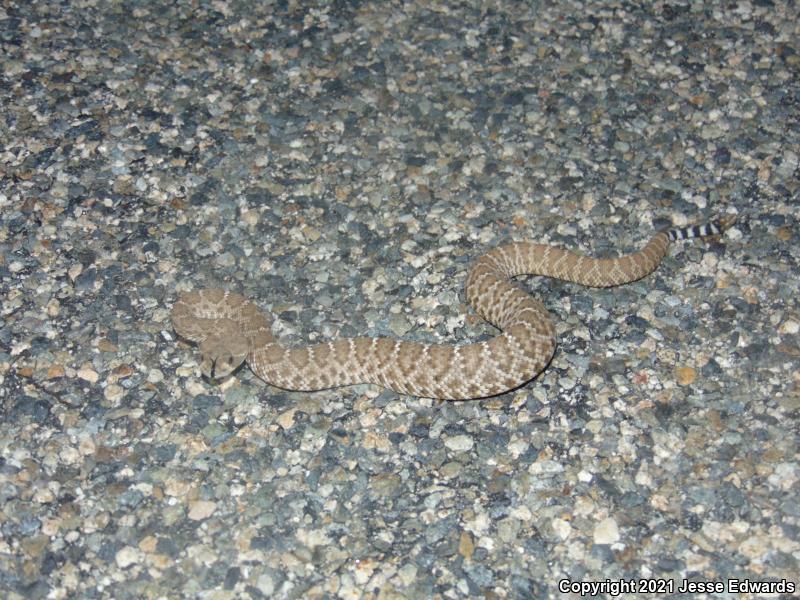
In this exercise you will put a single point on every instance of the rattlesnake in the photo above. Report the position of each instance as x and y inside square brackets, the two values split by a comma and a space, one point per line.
[230, 329]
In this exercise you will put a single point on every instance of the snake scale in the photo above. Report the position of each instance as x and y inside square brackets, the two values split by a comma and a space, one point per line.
[231, 329]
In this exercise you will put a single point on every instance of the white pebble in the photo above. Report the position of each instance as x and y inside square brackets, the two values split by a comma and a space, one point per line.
[459, 443]
[128, 556]
[606, 532]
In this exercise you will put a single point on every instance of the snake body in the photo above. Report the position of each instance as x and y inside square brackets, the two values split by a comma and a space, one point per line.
[231, 329]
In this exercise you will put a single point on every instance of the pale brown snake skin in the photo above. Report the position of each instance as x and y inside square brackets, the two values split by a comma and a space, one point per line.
[230, 329]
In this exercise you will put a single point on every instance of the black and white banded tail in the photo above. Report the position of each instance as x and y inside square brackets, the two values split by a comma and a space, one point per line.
[717, 227]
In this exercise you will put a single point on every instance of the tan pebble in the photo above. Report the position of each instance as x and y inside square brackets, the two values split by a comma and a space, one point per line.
[88, 374]
[123, 371]
[34, 545]
[495, 404]
[176, 487]
[715, 421]
[771, 455]
[250, 217]
[96, 523]
[87, 446]
[750, 294]
[466, 546]
[44, 496]
[685, 375]
[148, 544]
[195, 445]
[195, 388]
[69, 455]
[25, 371]
[105, 345]
[51, 526]
[311, 234]
[113, 393]
[376, 441]
[74, 271]
[201, 509]
[286, 418]
[659, 502]
[160, 561]
[266, 265]
[451, 469]
[790, 349]
[754, 547]
[723, 281]
[53, 308]
[55, 371]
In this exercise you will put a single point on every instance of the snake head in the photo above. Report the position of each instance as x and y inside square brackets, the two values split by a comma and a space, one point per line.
[222, 355]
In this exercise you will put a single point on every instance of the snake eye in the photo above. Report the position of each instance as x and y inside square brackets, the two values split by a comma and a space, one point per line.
[221, 366]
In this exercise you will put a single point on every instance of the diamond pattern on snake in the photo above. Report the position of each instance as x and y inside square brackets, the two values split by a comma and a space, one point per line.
[230, 329]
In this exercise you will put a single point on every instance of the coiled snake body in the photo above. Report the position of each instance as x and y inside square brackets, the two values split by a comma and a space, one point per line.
[230, 329]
